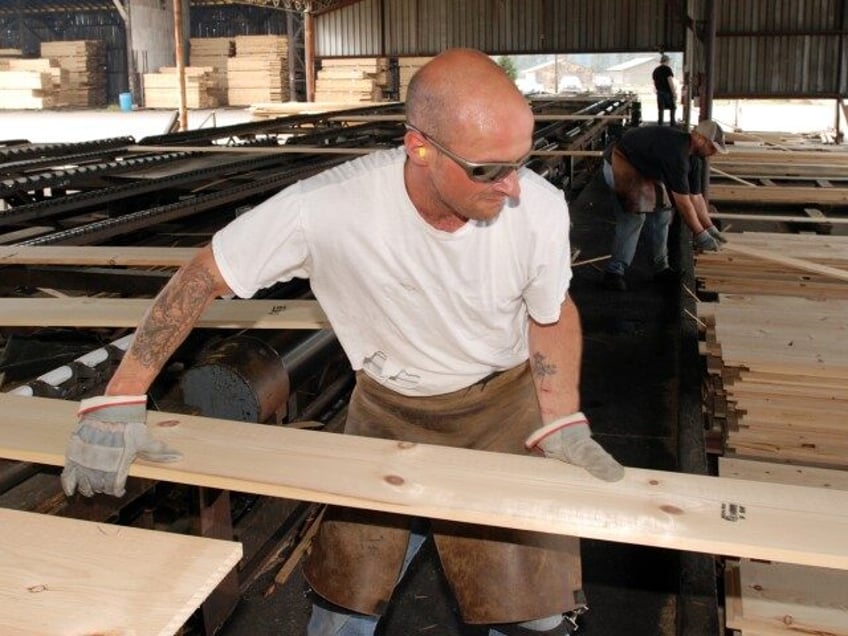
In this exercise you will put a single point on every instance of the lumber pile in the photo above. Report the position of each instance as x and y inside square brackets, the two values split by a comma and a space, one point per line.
[258, 72]
[162, 89]
[213, 53]
[777, 394]
[26, 90]
[85, 61]
[26, 73]
[407, 66]
[352, 80]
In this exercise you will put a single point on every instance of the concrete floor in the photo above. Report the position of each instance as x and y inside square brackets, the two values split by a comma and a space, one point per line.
[629, 391]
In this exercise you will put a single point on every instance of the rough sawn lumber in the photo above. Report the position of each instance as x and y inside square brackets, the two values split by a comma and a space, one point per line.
[793, 524]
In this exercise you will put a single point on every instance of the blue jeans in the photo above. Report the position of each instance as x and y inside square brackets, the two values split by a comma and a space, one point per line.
[628, 227]
[325, 622]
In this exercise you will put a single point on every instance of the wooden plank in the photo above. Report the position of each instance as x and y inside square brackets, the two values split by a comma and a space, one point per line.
[777, 599]
[66, 576]
[794, 524]
[778, 194]
[777, 218]
[127, 312]
[738, 468]
[805, 265]
[97, 255]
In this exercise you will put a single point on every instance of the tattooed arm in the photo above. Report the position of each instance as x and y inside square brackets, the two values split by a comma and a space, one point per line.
[167, 323]
[555, 354]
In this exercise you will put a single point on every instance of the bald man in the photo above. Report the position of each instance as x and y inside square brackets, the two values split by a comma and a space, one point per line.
[443, 266]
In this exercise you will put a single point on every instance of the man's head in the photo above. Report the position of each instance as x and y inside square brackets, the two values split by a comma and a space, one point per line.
[464, 115]
[708, 138]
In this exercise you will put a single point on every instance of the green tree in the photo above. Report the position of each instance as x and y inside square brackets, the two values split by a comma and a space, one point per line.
[508, 65]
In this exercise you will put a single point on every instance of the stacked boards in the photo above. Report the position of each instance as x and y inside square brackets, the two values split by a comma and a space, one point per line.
[258, 72]
[68, 73]
[777, 391]
[161, 90]
[85, 61]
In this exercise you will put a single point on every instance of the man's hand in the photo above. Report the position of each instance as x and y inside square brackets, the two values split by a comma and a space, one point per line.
[110, 433]
[705, 241]
[716, 234]
[569, 439]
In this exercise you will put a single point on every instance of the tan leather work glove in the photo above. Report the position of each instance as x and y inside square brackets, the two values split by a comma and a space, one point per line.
[569, 439]
[110, 434]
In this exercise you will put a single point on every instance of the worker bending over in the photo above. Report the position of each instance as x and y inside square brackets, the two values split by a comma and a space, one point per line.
[641, 168]
[443, 267]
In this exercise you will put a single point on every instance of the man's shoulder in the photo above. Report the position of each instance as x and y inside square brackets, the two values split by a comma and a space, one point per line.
[371, 166]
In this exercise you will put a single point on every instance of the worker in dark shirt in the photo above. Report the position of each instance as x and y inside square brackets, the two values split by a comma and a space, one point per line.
[641, 169]
[666, 92]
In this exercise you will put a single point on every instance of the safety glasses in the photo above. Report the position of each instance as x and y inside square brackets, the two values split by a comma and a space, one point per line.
[476, 171]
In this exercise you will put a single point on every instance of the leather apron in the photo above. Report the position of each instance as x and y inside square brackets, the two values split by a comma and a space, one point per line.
[636, 193]
[497, 575]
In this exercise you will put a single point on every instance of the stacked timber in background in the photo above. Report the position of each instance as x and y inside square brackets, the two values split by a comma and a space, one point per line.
[85, 61]
[259, 70]
[352, 80]
[777, 391]
[407, 66]
[162, 90]
[32, 83]
[213, 53]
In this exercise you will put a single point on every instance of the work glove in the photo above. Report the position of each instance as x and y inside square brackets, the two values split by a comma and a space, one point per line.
[110, 433]
[718, 236]
[569, 439]
[705, 242]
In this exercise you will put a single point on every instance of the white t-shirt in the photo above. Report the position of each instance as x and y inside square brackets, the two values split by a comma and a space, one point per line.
[422, 311]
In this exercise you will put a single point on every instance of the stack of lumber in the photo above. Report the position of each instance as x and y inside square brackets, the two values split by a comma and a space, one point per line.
[780, 175]
[777, 598]
[25, 72]
[85, 61]
[406, 69]
[259, 70]
[162, 90]
[778, 389]
[734, 272]
[26, 89]
[213, 53]
[352, 80]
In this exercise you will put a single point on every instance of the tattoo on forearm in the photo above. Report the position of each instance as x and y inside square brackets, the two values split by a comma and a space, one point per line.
[541, 367]
[172, 315]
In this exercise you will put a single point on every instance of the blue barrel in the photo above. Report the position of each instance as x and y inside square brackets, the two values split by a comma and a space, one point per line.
[125, 101]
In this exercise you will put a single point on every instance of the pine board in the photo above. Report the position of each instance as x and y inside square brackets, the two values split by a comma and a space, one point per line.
[66, 576]
[793, 524]
[127, 312]
[97, 255]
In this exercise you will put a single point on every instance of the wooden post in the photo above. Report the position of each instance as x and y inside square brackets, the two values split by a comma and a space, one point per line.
[309, 52]
[178, 41]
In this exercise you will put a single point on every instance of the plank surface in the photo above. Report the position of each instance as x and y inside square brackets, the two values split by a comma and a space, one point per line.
[97, 255]
[794, 524]
[127, 312]
[66, 576]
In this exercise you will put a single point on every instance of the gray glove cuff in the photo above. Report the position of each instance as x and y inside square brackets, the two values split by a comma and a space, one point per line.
[575, 420]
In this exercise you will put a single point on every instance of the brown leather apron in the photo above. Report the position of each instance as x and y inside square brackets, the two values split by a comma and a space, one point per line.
[636, 193]
[497, 575]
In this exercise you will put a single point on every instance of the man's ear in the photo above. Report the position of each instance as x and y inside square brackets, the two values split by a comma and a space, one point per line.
[415, 148]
